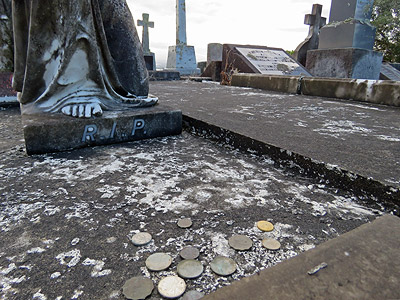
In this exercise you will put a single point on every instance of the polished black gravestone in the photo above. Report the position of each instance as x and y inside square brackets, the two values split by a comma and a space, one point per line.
[45, 133]
[260, 59]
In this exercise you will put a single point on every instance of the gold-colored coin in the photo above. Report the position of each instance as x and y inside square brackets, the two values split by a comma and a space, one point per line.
[265, 226]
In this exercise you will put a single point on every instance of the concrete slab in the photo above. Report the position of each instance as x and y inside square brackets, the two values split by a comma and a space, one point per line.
[353, 144]
[66, 218]
[361, 264]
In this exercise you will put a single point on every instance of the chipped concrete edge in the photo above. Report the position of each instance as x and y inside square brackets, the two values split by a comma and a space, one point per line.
[337, 177]
[373, 91]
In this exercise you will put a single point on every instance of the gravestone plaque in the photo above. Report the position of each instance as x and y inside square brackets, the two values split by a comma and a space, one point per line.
[260, 59]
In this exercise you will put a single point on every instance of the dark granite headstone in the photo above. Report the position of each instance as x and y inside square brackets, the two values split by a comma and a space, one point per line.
[260, 59]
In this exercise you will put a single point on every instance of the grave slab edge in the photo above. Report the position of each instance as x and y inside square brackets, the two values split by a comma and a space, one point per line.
[46, 133]
[383, 92]
[337, 177]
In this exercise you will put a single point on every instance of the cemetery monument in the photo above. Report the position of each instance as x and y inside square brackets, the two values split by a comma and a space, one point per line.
[86, 69]
[316, 22]
[181, 57]
[149, 57]
[346, 43]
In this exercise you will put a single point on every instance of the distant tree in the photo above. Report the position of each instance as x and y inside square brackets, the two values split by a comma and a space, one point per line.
[6, 34]
[386, 19]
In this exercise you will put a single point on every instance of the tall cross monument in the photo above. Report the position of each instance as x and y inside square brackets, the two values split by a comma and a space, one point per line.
[149, 57]
[181, 57]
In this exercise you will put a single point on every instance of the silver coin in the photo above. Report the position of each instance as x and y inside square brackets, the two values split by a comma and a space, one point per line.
[189, 252]
[240, 242]
[185, 223]
[137, 288]
[223, 266]
[190, 268]
[192, 295]
[141, 238]
[271, 244]
[171, 287]
[158, 261]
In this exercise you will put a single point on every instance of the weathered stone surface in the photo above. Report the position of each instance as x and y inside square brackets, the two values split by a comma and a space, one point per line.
[182, 58]
[214, 52]
[379, 92]
[213, 70]
[285, 84]
[349, 34]
[345, 63]
[362, 264]
[164, 75]
[51, 133]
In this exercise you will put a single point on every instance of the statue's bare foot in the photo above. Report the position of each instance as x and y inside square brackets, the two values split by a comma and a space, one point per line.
[83, 110]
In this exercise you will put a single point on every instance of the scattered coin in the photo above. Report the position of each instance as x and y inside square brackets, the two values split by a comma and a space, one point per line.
[138, 288]
[189, 252]
[265, 226]
[141, 238]
[190, 268]
[271, 244]
[192, 295]
[158, 261]
[185, 223]
[223, 266]
[171, 287]
[240, 242]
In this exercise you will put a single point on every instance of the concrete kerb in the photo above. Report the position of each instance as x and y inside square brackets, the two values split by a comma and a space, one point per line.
[373, 91]
[339, 178]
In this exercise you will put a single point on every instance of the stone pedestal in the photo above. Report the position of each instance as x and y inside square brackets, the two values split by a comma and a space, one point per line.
[182, 58]
[345, 63]
[347, 34]
[55, 132]
[150, 59]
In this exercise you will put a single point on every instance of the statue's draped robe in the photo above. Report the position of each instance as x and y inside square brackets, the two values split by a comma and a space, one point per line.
[71, 52]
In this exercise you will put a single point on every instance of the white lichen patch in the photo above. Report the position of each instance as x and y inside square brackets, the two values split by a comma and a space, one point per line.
[70, 258]
[98, 266]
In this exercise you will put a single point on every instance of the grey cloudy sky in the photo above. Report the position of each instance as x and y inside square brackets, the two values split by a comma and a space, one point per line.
[261, 22]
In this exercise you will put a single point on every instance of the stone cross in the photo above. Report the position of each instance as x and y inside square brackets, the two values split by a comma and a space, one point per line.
[181, 22]
[145, 36]
[316, 22]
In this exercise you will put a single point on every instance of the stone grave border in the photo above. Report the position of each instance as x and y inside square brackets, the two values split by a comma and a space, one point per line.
[373, 91]
[364, 187]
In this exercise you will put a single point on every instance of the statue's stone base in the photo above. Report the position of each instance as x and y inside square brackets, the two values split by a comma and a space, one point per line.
[345, 63]
[182, 58]
[53, 133]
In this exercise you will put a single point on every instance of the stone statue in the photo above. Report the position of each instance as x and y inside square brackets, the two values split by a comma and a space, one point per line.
[78, 57]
